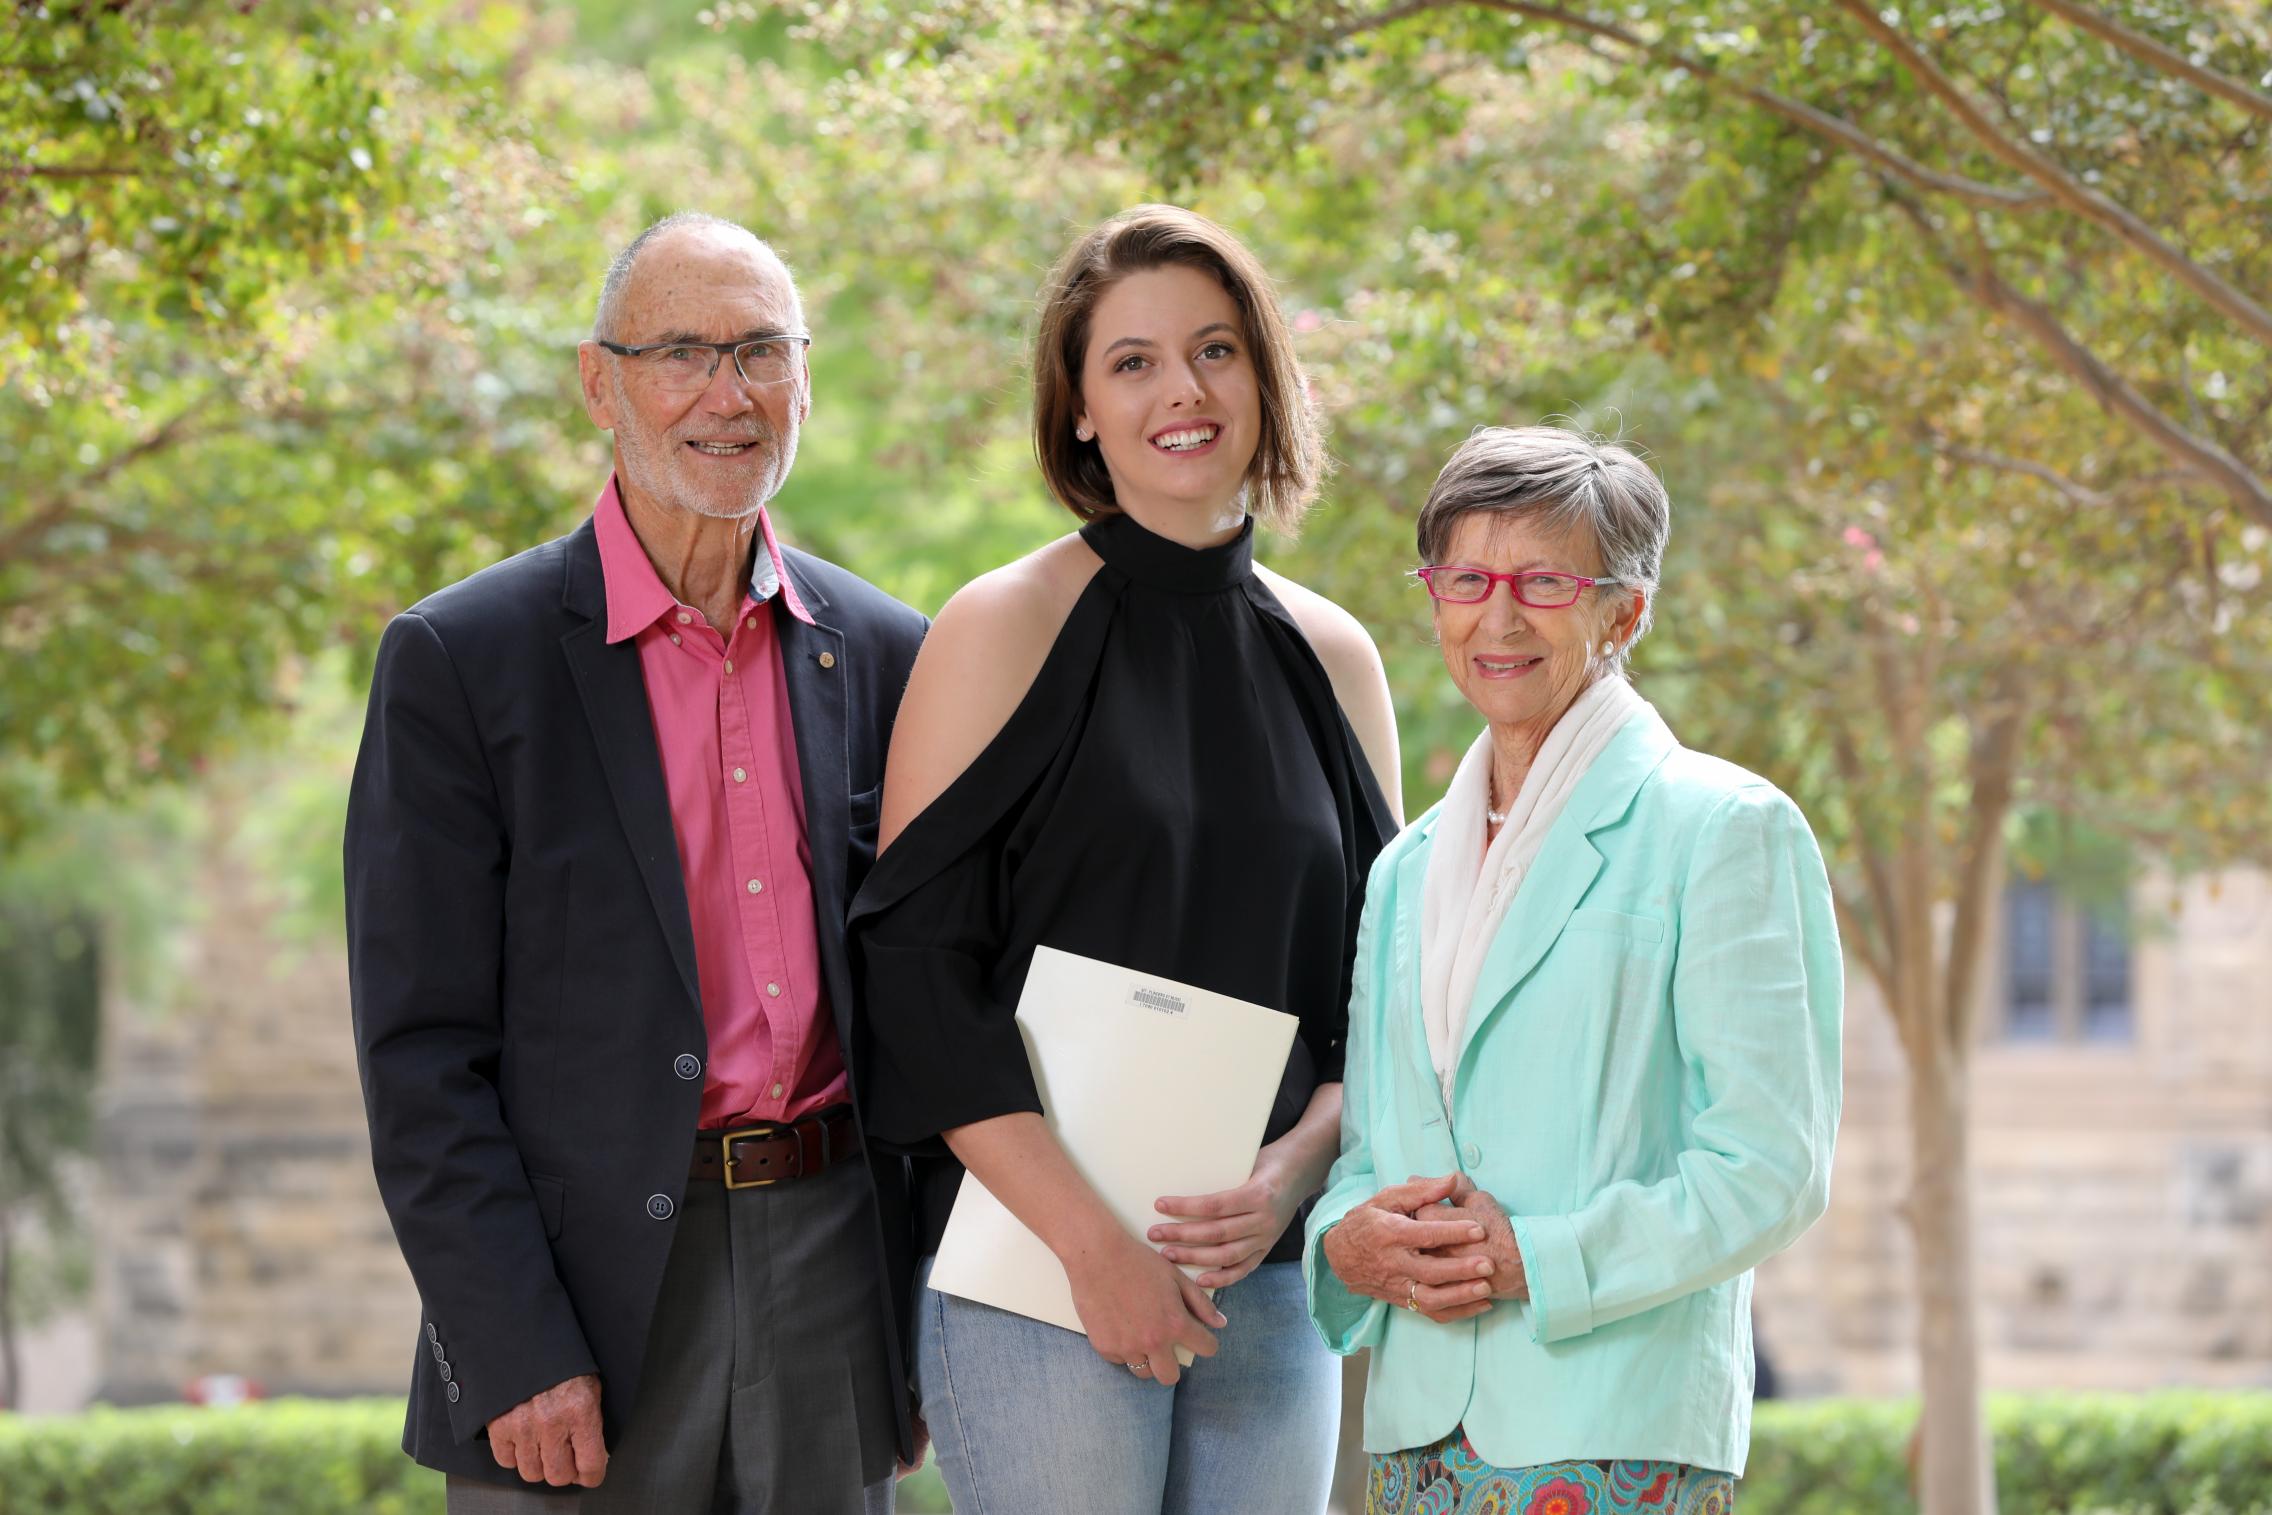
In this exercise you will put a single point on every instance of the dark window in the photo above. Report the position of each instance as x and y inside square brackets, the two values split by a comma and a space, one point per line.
[2106, 978]
[2066, 968]
[2030, 921]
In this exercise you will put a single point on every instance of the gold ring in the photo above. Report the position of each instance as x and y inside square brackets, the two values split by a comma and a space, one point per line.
[1412, 1294]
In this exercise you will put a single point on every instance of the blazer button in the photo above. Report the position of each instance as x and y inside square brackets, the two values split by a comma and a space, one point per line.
[444, 1370]
[431, 1333]
[438, 1353]
[828, 660]
[688, 1065]
[453, 1391]
[660, 1206]
[1471, 1154]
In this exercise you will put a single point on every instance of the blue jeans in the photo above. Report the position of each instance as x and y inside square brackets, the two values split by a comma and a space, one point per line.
[1026, 1416]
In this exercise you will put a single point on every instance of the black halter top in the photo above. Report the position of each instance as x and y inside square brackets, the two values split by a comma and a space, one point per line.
[1179, 793]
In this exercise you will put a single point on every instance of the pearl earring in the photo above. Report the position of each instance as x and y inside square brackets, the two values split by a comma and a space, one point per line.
[1082, 431]
[1609, 649]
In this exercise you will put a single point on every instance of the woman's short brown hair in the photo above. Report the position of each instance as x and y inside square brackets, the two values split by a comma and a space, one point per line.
[1289, 460]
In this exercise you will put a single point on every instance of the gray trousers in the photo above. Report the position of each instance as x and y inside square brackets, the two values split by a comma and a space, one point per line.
[766, 1389]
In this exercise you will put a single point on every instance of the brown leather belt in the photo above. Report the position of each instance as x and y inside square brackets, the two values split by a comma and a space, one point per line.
[750, 1157]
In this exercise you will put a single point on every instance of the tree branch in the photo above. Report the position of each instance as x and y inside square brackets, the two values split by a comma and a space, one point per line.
[64, 171]
[1980, 864]
[1820, 122]
[172, 434]
[1878, 956]
[2073, 489]
[1905, 680]
[2168, 59]
[2067, 190]
[2114, 395]
[1854, 936]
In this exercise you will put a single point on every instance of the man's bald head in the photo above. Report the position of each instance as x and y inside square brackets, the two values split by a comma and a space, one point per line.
[623, 270]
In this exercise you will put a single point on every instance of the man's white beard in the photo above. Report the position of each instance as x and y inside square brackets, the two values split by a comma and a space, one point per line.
[662, 472]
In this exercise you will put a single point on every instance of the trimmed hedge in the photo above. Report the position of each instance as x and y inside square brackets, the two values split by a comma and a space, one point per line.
[284, 1457]
[2172, 1453]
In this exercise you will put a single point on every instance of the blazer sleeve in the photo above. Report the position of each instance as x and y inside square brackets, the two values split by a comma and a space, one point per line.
[426, 858]
[1757, 997]
[1348, 1321]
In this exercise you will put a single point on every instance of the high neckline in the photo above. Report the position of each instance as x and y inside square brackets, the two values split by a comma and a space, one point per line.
[1151, 559]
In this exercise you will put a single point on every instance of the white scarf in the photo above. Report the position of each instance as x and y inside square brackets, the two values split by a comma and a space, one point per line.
[1469, 890]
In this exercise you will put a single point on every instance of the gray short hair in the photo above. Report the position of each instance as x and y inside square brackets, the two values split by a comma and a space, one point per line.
[1560, 479]
[620, 267]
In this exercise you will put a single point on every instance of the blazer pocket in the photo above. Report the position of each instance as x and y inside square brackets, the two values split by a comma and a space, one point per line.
[1641, 929]
[550, 1192]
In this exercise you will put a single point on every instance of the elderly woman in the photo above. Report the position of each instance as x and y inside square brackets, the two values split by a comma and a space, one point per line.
[1597, 996]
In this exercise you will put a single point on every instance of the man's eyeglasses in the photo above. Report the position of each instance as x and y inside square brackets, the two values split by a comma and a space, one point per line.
[688, 367]
[1458, 584]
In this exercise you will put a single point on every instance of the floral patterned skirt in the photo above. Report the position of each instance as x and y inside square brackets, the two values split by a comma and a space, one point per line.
[1449, 1479]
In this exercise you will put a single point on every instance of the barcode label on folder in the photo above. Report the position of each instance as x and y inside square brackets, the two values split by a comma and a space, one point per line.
[1144, 997]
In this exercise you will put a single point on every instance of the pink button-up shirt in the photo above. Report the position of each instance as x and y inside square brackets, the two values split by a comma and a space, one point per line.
[721, 711]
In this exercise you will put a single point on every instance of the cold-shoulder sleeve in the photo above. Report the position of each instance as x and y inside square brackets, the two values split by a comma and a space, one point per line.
[936, 969]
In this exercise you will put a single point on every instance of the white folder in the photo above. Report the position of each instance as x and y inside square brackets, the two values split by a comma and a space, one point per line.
[1151, 1086]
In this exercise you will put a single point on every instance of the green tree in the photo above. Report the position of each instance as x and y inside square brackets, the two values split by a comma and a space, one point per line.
[245, 254]
[1949, 345]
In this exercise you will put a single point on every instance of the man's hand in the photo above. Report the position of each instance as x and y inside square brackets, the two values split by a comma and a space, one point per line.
[1508, 1281]
[1381, 1250]
[554, 1438]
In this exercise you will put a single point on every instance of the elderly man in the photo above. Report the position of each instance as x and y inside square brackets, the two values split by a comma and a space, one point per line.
[613, 796]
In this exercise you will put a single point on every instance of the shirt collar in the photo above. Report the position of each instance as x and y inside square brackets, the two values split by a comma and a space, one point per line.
[636, 596]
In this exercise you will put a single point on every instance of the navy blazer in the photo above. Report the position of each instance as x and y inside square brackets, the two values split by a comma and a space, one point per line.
[521, 964]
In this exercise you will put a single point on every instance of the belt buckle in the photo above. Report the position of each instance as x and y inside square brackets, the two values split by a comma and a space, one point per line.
[726, 1153]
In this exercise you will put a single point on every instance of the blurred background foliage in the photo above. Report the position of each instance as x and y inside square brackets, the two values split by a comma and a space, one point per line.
[1971, 525]
[287, 294]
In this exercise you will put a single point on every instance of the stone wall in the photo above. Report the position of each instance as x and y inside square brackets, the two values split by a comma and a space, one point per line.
[2124, 1190]
[237, 1226]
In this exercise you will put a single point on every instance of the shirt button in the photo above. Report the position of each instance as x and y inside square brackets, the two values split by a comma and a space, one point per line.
[685, 618]
[751, 623]
[1472, 1154]
[776, 1091]
[756, 886]
[660, 1206]
[828, 660]
[741, 775]
[687, 1066]
[774, 990]
[729, 665]
[674, 640]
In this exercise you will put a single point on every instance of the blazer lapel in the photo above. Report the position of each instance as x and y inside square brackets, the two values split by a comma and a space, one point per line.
[812, 661]
[614, 692]
[1566, 868]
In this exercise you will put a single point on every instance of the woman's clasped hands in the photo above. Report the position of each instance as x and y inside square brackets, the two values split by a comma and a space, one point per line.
[1439, 1247]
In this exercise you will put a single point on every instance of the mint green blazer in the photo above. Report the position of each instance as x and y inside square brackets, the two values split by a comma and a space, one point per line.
[1648, 1083]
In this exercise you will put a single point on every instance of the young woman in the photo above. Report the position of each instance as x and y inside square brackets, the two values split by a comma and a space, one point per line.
[1138, 746]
